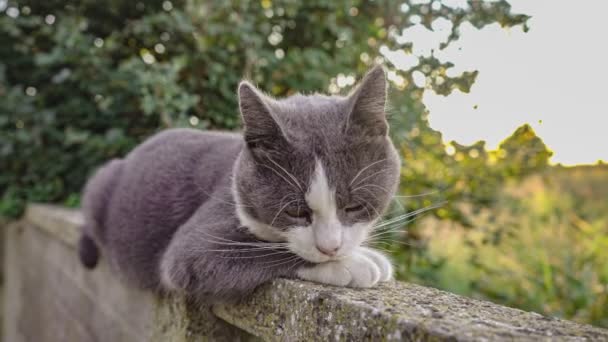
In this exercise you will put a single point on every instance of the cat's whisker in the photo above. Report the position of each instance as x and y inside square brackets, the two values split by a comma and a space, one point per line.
[250, 249]
[248, 244]
[387, 236]
[253, 256]
[287, 257]
[297, 263]
[290, 175]
[392, 222]
[224, 240]
[367, 202]
[413, 213]
[268, 246]
[402, 220]
[385, 250]
[369, 215]
[395, 230]
[286, 197]
[384, 237]
[369, 176]
[401, 207]
[281, 210]
[374, 197]
[395, 226]
[363, 170]
[402, 243]
[279, 262]
[280, 175]
[227, 242]
[390, 243]
[392, 232]
[372, 185]
[418, 195]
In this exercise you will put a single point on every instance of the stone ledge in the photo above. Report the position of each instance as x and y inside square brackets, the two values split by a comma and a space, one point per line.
[291, 310]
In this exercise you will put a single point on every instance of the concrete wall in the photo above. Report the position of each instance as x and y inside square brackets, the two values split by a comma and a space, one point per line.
[50, 297]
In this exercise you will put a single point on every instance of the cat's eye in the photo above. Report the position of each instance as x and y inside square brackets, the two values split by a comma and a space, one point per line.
[354, 208]
[297, 213]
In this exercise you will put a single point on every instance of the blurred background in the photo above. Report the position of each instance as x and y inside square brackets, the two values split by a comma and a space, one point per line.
[497, 108]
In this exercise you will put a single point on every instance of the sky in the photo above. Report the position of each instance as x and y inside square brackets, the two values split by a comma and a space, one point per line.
[552, 77]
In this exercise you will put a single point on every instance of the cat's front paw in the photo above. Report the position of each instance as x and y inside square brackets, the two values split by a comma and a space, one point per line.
[365, 267]
[381, 260]
[175, 275]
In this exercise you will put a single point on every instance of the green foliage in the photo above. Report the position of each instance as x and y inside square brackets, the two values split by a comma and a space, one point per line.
[469, 178]
[539, 248]
[85, 81]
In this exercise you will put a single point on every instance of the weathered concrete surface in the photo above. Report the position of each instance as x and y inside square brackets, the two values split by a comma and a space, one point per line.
[51, 298]
[287, 309]
[61, 223]
[179, 321]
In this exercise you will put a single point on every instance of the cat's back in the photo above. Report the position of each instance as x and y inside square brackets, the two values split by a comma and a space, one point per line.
[163, 181]
[187, 140]
[178, 163]
[182, 155]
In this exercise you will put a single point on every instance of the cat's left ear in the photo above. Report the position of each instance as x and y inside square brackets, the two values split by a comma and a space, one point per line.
[367, 105]
[261, 126]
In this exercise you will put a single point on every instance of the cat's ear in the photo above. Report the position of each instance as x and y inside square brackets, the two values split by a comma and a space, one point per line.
[367, 105]
[261, 127]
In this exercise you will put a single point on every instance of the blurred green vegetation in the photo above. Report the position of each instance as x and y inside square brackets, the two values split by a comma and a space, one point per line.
[84, 81]
[542, 246]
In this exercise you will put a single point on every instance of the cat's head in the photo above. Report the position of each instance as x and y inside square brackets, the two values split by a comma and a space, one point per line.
[317, 171]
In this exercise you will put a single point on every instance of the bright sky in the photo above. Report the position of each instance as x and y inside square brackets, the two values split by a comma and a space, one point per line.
[552, 77]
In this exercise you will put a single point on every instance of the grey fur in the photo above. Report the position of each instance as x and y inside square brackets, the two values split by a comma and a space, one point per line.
[170, 202]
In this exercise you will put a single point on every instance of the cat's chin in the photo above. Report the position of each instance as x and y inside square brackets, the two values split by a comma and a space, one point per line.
[315, 259]
[319, 258]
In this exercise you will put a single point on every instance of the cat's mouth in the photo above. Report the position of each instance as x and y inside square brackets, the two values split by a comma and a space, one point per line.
[315, 259]
[311, 254]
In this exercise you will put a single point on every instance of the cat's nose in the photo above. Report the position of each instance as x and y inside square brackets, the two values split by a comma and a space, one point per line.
[329, 251]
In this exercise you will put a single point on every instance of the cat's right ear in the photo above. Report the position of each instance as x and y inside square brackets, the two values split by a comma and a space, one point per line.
[261, 127]
[367, 102]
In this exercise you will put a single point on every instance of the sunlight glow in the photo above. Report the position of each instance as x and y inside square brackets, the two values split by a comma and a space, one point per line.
[552, 77]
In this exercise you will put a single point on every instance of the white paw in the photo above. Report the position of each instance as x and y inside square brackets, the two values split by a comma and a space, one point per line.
[363, 268]
[382, 261]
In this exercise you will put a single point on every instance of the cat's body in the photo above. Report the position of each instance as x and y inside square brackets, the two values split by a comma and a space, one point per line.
[214, 215]
[154, 191]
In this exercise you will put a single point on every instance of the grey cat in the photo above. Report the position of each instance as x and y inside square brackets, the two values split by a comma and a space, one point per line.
[213, 215]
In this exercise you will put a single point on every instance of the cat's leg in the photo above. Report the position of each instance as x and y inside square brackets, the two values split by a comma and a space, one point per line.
[179, 265]
[172, 278]
[211, 269]
[364, 267]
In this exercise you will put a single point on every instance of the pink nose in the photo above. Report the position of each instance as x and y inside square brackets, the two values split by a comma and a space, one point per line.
[328, 251]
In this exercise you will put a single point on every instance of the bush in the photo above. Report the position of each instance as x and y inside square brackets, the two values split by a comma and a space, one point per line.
[543, 247]
[85, 81]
